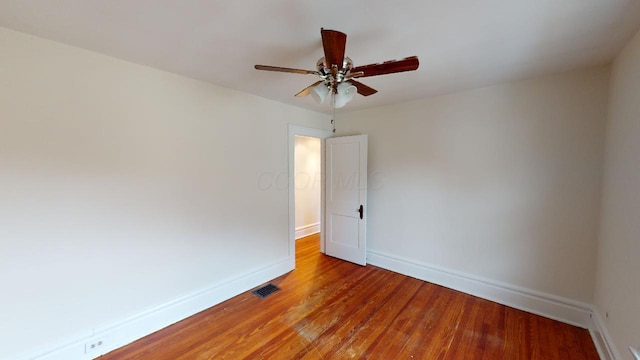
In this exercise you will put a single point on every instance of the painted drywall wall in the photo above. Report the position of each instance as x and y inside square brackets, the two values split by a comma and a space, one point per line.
[618, 265]
[307, 184]
[501, 182]
[123, 187]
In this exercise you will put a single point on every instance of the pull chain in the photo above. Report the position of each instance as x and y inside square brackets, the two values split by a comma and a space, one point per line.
[333, 119]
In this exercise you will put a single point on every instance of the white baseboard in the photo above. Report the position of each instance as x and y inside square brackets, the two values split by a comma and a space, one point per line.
[539, 303]
[602, 338]
[127, 330]
[307, 230]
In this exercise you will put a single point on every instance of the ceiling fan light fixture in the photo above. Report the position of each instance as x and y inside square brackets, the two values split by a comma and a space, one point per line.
[345, 93]
[319, 92]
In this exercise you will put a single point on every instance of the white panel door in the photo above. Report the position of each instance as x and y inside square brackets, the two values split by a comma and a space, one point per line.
[346, 198]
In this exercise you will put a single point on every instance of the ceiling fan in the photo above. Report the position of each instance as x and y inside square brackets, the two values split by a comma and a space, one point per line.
[337, 73]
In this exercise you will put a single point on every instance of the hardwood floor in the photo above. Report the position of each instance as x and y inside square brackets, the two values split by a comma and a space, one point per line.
[331, 309]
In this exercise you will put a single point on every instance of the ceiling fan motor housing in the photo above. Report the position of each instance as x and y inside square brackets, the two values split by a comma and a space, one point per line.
[327, 74]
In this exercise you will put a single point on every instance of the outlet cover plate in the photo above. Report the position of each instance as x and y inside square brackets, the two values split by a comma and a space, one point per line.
[93, 345]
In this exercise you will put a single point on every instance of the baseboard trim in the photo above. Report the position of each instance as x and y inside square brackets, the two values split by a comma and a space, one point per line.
[307, 230]
[602, 338]
[127, 330]
[539, 303]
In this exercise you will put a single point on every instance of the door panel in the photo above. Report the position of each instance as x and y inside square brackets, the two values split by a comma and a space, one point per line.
[345, 231]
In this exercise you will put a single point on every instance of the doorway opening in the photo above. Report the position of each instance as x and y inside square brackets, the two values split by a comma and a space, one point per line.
[307, 180]
[306, 190]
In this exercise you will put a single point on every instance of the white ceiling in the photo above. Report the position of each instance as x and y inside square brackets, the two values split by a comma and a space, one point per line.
[461, 44]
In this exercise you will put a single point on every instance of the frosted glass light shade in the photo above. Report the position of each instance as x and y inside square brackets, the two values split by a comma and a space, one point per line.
[319, 92]
[346, 92]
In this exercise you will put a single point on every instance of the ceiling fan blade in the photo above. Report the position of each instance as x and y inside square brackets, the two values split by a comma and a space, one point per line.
[306, 91]
[284, 69]
[388, 67]
[353, 75]
[363, 89]
[334, 43]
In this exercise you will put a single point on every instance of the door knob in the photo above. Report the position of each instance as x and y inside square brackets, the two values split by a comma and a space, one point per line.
[361, 211]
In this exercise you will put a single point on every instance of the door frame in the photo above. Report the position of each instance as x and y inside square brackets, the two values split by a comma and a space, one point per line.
[322, 135]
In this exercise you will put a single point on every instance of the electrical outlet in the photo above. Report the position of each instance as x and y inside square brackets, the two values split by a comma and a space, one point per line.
[93, 346]
[635, 351]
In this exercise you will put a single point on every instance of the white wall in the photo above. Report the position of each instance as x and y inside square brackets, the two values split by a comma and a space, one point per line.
[618, 269]
[501, 182]
[123, 188]
[307, 185]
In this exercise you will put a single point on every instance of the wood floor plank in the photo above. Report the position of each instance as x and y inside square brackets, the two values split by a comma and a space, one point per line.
[331, 309]
[395, 341]
[363, 305]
